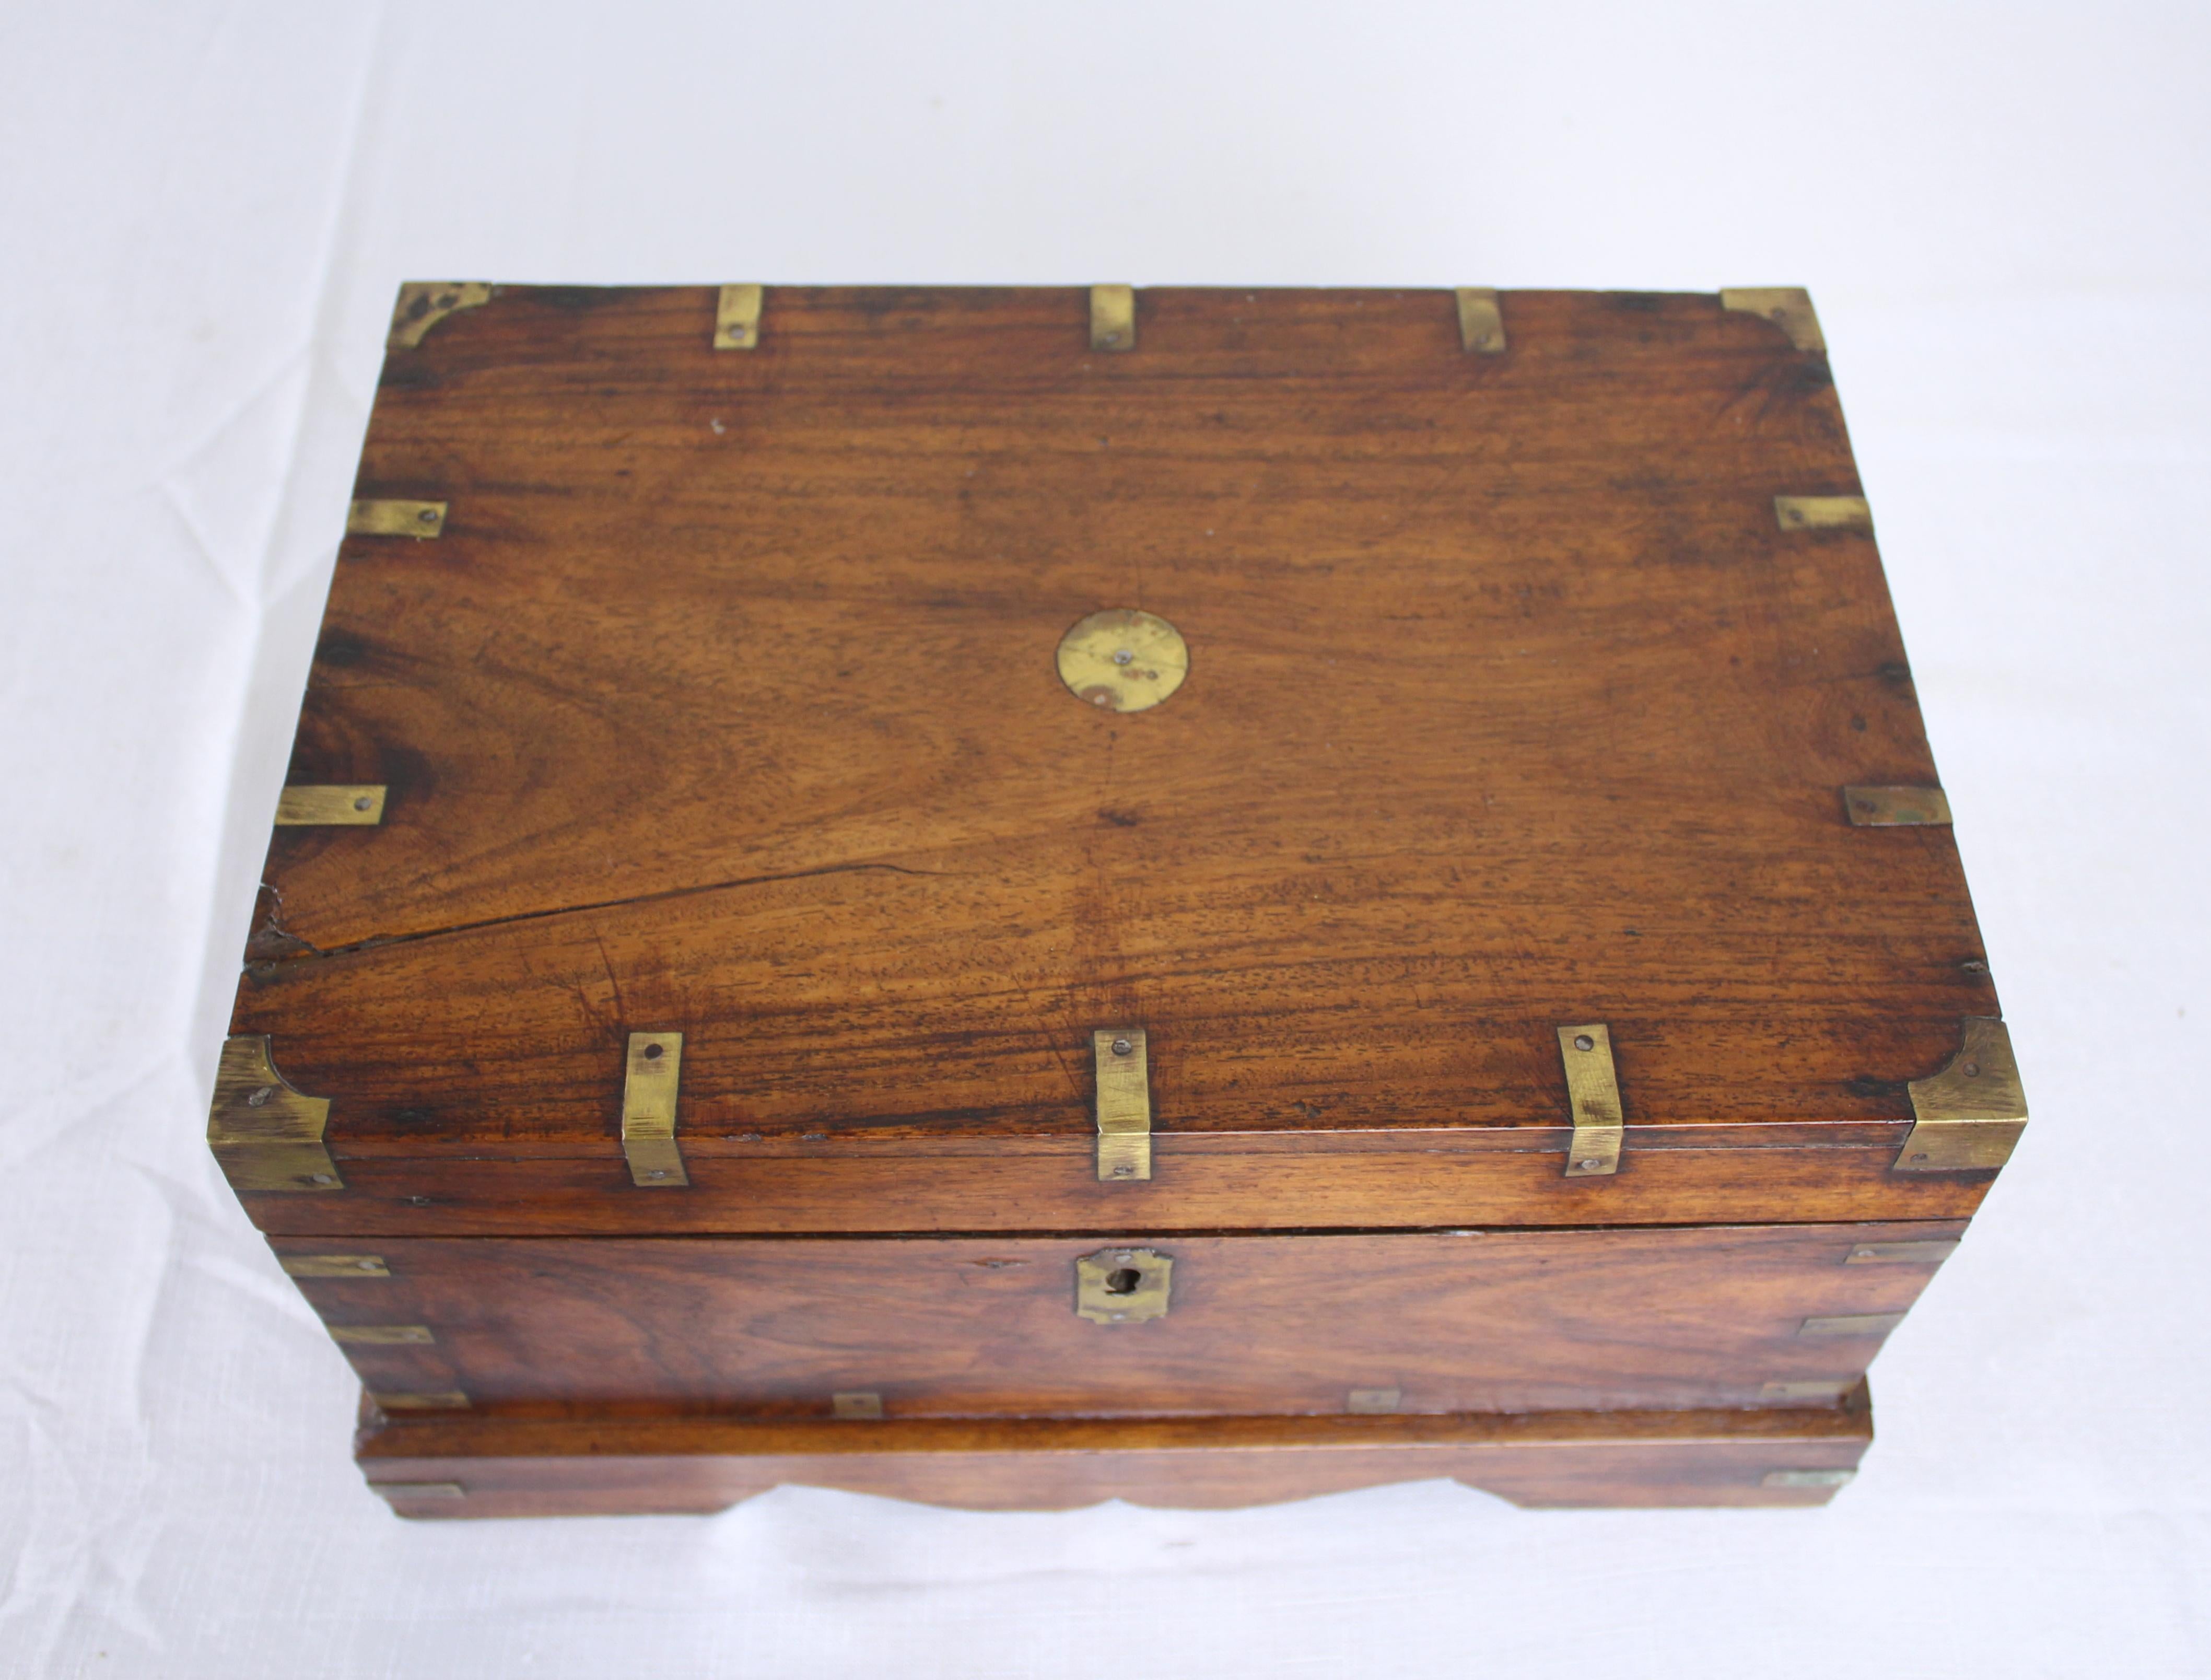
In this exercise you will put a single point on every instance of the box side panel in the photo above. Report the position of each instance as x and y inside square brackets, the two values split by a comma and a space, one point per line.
[1436, 1323]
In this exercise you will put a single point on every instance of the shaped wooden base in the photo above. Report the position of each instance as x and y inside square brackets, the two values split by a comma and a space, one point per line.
[484, 1465]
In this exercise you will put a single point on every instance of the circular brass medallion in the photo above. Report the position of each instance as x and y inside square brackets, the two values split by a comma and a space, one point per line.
[1122, 660]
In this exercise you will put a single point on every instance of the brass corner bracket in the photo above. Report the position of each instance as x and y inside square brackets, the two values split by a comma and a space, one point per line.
[737, 318]
[1789, 308]
[648, 1118]
[266, 1136]
[1112, 318]
[1123, 1285]
[1124, 1104]
[1593, 1094]
[1969, 1117]
[1481, 323]
[424, 303]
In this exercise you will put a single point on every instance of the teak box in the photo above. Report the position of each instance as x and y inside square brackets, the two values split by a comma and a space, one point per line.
[1012, 897]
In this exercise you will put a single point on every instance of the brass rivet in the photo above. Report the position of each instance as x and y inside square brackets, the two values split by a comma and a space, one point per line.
[1122, 656]
[365, 1265]
[260, 1096]
[1122, 1047]
[1919, 1157]
[1583, 1042]
[1589, 1165]
[1971, 1070]
[321, 1177]
[363, 803]
[428, 516]
[656, 1172]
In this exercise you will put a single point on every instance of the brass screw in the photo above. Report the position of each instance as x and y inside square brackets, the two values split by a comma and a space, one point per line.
[1919, 1157]
[428, 516]
[321, 1177]
[260, 1096]
[1583, 1042]
[1122, 656]
[365, 1265]
[1590, 1165]
[657, 1173]
[363, 803]
[1973, 1070]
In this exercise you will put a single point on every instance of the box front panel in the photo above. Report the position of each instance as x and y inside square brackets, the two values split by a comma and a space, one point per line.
[1435, 1322]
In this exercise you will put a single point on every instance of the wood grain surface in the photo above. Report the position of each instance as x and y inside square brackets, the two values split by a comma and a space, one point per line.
[726, 704]
[492, 1466]
[1453, 1321]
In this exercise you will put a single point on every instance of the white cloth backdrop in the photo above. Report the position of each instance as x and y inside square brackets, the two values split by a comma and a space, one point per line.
[2000, 209]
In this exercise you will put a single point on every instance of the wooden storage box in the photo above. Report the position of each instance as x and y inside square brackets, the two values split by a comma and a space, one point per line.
[1015, 897]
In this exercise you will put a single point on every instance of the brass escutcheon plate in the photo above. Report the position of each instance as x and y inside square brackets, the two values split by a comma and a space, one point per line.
[1122, 660]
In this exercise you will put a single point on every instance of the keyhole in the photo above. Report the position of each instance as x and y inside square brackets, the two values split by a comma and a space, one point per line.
[1124, 1282]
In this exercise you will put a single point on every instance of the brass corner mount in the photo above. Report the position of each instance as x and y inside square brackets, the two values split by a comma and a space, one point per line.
[266, 1135]
[1789, 308]
[423, 303]
[1968, 1118]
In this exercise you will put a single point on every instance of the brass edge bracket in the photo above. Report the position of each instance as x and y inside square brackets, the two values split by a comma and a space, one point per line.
[1112, 318]
[334, 1266]
[390, 517]
[266, 1135]
[1481, 326]
[1593, 1092]
[648, 1121]
[1124, 1104]
[1851, 1324]
[440, 1399]
[737, 317]
[1896, 807]
[1789, 308]
[306, 805]
[424, 303]
[1969, 1117]
[1123, 1285]
[1823, 512]
[1901, 1253]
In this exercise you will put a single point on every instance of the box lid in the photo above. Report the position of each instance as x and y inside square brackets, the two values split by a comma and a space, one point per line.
[674, 680]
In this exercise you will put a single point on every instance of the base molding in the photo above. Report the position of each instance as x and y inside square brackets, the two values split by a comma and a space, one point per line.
[576, 1463]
